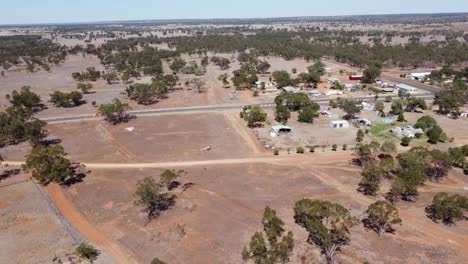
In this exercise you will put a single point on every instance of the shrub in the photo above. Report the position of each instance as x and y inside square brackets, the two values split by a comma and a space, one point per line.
[418, 135]
[405, 141]
[334, 147]
[300, 150]
[276, 152]
[311, 149]
[87, 251]
[255, 93]
[401, 118]
[345, 147]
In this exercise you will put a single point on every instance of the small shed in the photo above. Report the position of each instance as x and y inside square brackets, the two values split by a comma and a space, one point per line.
[339, 124]
[355, 77]
[279, 129]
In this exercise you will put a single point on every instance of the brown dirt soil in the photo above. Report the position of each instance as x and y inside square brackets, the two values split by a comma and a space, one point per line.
[157, 138]
[214, 219]
[91, 232]
[30, 231]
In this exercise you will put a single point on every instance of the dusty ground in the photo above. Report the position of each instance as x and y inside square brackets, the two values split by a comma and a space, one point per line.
[158, 138]
[30, 231]
[214, 219]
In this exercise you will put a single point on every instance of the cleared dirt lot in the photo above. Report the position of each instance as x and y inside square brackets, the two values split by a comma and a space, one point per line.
[158, 138]
[30, 231]
[213, 219]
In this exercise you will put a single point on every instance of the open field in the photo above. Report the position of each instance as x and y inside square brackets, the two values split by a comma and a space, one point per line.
[30, 231]
[214, 218]
[161, 138]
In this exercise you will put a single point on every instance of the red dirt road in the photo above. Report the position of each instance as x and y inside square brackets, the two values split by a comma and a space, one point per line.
[91, 232]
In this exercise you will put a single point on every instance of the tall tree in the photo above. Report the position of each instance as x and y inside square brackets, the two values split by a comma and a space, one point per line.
[48, 164]
[381, 216]
[328, 224]
[114, 112]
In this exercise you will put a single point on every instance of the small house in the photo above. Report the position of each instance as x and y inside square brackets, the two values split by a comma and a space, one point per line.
[339, 124]
[366, 106]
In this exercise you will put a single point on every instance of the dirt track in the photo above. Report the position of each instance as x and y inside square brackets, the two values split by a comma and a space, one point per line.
[265, 159]
[90, 231]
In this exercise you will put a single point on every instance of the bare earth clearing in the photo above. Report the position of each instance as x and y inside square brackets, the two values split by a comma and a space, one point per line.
[30, 231]
[213, 219]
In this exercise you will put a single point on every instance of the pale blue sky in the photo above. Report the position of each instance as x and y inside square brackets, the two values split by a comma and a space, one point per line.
[57, 11]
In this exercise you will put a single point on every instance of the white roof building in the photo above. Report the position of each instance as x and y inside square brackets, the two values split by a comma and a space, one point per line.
[367, 106]
[290, 89]
[276, 130]
[418, 75]
[406, 88]
[339, 124]
[333, 92]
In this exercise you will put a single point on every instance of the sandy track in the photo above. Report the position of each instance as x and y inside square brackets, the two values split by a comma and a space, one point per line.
[286, 159]
[86, 228]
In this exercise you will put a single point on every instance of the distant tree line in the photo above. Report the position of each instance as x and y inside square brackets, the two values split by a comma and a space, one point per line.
[31, 50]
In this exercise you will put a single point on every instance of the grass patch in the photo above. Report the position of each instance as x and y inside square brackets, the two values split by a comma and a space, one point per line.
[382, 132]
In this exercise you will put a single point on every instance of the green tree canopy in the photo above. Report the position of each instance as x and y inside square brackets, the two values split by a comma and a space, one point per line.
[448, 209]
[328, 224]
[381, 216]
[114, 112]
[48, 164]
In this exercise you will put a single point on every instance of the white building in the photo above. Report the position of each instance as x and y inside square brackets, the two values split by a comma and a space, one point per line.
[290, 89]
[406, 88]
[333, 92]
[339, 124]
[261, 84]
[406, 131]
[279, 129]
[367, 106]
[418, 76]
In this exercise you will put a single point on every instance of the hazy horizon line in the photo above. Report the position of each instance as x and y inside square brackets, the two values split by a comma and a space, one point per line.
[218, 18]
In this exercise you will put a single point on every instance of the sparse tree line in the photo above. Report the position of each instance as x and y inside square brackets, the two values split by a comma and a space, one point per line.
[329, 226]
[290, 45]
[34, 51]
[407, 171]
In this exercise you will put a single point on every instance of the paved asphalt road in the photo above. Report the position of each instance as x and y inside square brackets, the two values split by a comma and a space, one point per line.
[321, 101]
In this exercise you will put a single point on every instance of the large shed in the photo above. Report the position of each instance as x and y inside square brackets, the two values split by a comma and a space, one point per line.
[406, 88]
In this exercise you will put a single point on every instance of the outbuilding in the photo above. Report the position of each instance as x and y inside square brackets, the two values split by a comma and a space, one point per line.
[290, 89]
[418, 76]
[355, 77]
[406, 88]
[339, 124]
[279, 129]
